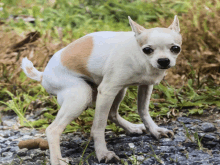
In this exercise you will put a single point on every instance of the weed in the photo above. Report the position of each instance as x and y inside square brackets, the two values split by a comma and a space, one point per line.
[195, 138]
[19, 105]
[187, 155]
[134, 159]
[199, 140]
[82, 159]
[156, 156]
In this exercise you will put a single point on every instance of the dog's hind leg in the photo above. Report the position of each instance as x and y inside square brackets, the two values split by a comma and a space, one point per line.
[73, 101]
[118, 120]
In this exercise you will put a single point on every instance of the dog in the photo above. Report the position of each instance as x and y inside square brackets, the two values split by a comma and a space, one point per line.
[107, 62]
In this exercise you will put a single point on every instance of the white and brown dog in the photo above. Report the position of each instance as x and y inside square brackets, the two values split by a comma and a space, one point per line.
[111, 61]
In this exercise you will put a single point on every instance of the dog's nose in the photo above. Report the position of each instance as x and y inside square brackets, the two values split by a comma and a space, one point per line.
[163, 62]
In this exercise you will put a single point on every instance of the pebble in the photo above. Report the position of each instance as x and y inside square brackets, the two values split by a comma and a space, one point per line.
[208, 127]
[22, 152]
[131, 145]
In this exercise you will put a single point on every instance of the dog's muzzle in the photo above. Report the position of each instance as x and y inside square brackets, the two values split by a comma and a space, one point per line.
[164, 63]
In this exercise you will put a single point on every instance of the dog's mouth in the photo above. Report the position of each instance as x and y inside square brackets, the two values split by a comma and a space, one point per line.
[162, 67]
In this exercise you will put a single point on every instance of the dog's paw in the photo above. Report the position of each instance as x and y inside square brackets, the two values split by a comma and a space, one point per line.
[107, 157]
[136, 129]
[159, 132]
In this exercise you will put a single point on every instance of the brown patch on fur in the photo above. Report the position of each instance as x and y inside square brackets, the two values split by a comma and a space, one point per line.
[75, 55]
[30, 72]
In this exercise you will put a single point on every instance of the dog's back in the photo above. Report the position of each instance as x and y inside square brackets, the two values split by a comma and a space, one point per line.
[84, 58]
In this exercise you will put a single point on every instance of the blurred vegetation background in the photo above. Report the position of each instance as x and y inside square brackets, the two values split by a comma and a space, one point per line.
[37, 29]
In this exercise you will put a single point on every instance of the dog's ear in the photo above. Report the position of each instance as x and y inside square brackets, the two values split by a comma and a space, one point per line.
[138, 29]
[175, 25]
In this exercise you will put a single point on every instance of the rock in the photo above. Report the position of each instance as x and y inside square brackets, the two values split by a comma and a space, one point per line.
[5, 161]
[179, 138]
[215, 151]
[26, 137]
[6, 133]
[9, 120]
[140, 158]
[39, 162]
[26, 158]
[184, 120]
[14, 149]
[22, 152]
[36, 153]
[187, 120]
[207, 136]
[7, 154]
[131, 145]
[207, 127]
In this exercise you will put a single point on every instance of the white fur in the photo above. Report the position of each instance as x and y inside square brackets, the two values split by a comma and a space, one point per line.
[36, 75]
[116, 61]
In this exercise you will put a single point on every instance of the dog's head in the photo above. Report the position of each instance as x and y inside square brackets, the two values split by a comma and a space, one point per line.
[161, 46]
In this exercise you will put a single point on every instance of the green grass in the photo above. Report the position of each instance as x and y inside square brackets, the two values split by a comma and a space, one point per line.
[183, 98]
[79, 17]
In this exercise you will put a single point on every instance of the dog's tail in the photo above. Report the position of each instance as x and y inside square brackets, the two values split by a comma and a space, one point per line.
[30, 70]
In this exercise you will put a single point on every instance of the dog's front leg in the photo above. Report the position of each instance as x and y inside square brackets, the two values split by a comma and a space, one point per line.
[105, 98]
[144, 94]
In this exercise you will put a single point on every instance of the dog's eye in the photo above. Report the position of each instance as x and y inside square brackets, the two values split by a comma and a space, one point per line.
[175, 49]
[148, 50]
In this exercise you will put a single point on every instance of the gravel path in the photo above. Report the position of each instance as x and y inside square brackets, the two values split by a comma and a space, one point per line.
[136, 149]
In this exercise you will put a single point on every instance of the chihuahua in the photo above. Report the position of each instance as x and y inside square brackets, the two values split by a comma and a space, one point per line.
[100, 66]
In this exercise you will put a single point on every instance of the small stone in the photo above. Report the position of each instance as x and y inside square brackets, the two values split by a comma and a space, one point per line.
[217, 121]
[215, 151]
[131, 145]
[4, 149]
[30, 163]
[140, 158]
[39, 162]
[26, 137]
[122, 135]
[7, 134]
[33, 132]
[5, 161]
[179, 138]
[204, 136]
[194, 128]
[208, 127]
[47, 152]
[26, 158]
[16, 161]
[9, 120]
[184, 120]
[7, 154]
[163, 149]
[14, 149]
[37, 153]
[22, 152]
